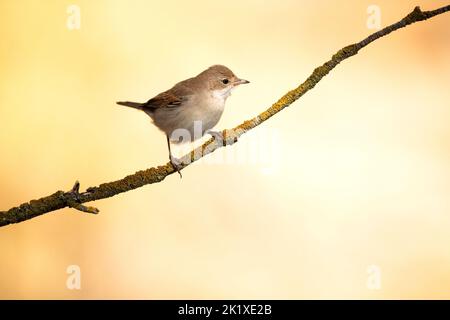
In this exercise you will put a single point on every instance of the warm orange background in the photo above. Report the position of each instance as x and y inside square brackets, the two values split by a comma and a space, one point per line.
[362, 176]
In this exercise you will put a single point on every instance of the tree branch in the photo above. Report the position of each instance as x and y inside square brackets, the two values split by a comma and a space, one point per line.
[74, 199]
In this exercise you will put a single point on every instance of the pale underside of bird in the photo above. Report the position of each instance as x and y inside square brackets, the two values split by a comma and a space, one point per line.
[192, 107]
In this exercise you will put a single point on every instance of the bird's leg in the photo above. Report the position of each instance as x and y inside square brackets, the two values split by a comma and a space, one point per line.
[174, 161]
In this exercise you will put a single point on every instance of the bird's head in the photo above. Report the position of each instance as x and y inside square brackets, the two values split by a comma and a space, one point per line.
[221, 80]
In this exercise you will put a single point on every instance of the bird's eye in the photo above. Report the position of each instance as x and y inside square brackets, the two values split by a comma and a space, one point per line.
[225, 81]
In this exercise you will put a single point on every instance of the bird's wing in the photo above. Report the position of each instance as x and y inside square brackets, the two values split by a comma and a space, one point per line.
[172, 98]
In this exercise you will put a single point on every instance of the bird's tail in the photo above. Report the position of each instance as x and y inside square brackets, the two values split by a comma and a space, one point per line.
[130, 104]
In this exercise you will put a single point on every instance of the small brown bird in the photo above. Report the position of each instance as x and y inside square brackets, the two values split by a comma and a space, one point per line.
[192, 107]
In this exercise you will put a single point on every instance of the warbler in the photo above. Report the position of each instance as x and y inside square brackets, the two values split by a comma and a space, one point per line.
[191, 107]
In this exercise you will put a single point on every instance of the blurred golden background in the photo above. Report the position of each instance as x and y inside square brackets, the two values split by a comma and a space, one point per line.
[360, 180]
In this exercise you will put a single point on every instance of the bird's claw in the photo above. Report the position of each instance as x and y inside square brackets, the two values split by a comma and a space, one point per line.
[217, 135]
[223, 137]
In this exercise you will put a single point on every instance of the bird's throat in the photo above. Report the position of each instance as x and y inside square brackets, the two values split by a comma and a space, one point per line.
[221, 94]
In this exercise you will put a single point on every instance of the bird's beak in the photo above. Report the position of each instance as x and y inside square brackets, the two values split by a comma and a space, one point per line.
[240, 81]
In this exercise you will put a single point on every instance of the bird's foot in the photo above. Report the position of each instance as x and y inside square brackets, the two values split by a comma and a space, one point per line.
[176, 164]
[217, 135]
[222, 137]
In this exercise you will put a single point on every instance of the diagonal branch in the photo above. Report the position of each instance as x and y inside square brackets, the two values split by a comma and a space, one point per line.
[74, 199]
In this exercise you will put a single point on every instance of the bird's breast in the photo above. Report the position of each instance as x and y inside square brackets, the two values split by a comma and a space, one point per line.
[204, 109]
[210, 111]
